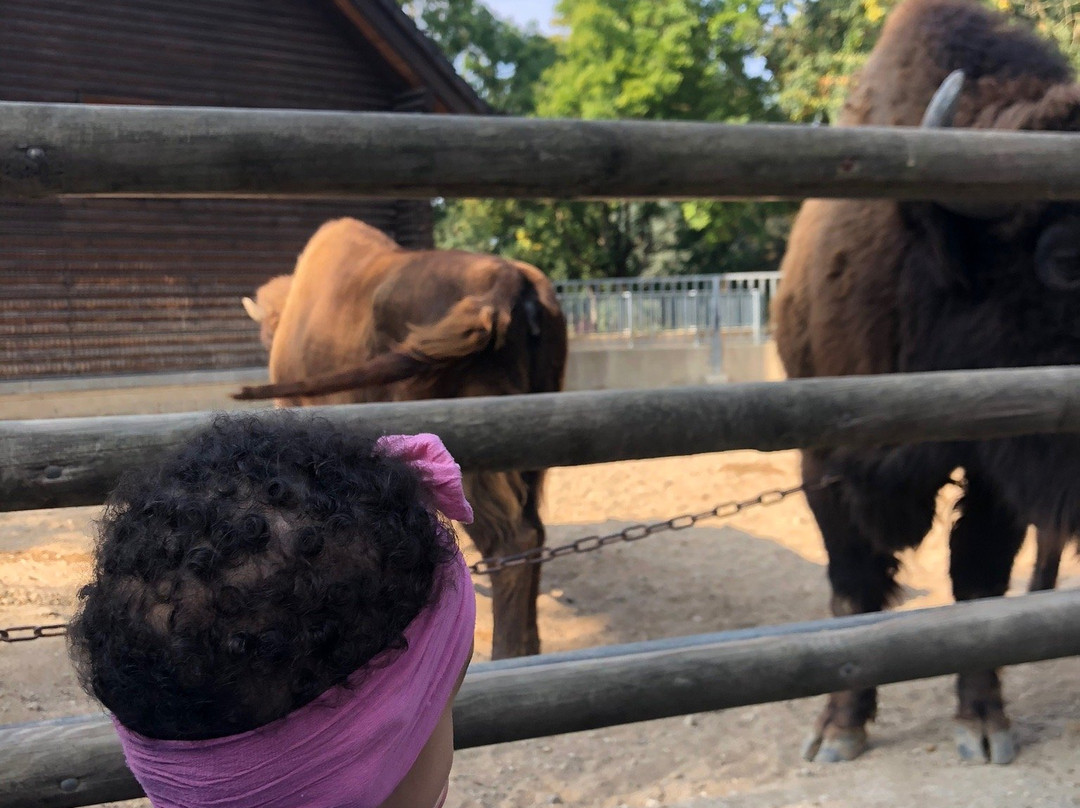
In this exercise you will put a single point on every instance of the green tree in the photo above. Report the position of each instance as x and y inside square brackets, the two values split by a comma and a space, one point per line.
[502, 62]
[665, 59]
[644, 59]
[652, 59]
[813, 47]
[668, 59]
[567, 239]
[1058, 20]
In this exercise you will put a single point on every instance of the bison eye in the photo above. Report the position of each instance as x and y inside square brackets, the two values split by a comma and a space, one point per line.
[1057, 257]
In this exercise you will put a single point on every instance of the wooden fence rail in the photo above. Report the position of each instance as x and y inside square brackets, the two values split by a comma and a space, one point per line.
[82, 149]
[74, 762]
[67, 462]
[48, 150]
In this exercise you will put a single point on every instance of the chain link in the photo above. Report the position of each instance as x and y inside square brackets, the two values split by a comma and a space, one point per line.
[542, 555]
[27, 633]
[588, 544]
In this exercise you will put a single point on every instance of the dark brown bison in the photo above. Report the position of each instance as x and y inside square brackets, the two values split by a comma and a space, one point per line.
[367, 320]
[882, 287]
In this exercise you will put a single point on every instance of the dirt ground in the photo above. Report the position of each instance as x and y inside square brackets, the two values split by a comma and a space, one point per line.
[764, 567]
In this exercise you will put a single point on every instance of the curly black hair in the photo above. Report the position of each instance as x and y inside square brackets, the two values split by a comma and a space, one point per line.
[252, 570]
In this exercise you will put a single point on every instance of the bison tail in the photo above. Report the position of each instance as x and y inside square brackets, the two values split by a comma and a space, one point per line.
[548, 347]
[385, 369]
[469, 327]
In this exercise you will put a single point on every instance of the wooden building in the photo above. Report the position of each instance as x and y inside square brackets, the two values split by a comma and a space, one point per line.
[104, 287]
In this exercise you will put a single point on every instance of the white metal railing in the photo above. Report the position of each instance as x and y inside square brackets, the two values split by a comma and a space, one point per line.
[767, 282]
[695, 306]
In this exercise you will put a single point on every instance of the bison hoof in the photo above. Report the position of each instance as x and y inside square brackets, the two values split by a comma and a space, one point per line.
[984, 742]
[835, 745]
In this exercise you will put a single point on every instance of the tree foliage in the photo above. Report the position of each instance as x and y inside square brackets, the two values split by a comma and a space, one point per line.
[1058, 20]
[502, 62]
[813, 47]
[668, 59]
[713, 60]
[644, 59]
[653, 59]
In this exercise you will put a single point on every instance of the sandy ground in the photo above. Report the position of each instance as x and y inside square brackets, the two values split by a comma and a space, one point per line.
[764, 567]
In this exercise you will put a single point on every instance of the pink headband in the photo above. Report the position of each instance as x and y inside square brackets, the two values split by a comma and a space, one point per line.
[354, 744]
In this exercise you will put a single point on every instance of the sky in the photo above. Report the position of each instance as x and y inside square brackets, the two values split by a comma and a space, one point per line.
[542, 11]
[523, 11]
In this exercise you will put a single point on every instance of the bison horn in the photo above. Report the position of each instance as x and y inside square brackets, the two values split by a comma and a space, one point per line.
[254, 310]
[939, 115]
[942, 107]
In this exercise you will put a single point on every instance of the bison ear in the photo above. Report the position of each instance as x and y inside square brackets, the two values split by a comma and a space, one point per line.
[254, 310]
[1057, 256]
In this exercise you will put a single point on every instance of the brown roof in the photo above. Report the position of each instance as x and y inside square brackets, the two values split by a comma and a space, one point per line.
[411, 54]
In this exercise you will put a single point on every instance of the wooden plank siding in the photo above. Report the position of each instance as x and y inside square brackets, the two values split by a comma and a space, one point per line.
[121, 286]
[234, 53]
[101, 287]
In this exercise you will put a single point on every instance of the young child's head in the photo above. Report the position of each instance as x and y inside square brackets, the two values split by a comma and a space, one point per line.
[267, 595]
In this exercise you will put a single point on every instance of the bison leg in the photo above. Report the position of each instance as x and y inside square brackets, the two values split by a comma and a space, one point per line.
[1050, 544]
[862, 579]
[507, 521]
[984, 542]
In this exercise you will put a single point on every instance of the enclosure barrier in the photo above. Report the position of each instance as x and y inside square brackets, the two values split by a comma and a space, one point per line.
[82, 149]
[693, 307]
[67, 462]
[49, 150]
[766, 283]
[74, 762]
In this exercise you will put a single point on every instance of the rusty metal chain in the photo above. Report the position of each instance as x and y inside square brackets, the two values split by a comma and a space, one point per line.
[542, 555]
[27, 633]
[587, 544]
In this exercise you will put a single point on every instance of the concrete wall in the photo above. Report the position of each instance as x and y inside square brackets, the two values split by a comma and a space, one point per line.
[592, 366]
[127, 395]
[752, 362]
[620, 367]
[123, 401]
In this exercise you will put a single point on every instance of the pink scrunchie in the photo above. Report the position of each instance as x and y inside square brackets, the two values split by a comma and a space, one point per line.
[438, 467]
[353, 745]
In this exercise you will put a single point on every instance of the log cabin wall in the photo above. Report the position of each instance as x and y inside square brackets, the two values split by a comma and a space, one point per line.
[102, 287]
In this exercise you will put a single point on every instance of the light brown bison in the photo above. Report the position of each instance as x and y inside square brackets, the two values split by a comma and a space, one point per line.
[882, 287]
[267, 306]
[367, 320]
